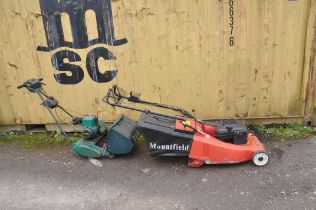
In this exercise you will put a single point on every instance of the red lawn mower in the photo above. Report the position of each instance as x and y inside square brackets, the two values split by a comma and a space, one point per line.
[222, 142]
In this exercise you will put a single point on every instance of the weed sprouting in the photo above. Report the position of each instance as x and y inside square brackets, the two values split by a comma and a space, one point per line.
[59, 136]
[286, 131]
[3, 133]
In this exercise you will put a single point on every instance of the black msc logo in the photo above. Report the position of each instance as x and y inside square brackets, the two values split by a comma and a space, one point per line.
[76, 9]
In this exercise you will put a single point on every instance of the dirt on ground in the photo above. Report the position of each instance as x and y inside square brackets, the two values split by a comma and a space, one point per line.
[57, 179]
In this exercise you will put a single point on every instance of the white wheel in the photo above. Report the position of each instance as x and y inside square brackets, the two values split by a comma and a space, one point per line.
[260, 158]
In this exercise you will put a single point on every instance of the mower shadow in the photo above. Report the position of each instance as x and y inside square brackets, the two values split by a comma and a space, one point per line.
[182, 162]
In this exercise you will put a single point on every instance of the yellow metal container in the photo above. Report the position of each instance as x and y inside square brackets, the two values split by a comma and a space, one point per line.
[223, 58]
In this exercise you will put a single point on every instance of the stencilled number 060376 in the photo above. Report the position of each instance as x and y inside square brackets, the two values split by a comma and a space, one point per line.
[231, 23]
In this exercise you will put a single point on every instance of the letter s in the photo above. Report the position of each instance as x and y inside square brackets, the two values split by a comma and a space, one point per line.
[77, 73]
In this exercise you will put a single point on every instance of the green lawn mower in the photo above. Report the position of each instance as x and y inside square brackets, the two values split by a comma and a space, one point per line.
[98, 139]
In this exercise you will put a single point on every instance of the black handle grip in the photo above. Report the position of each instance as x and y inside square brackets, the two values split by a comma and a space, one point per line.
[20, 86]
[30, 81]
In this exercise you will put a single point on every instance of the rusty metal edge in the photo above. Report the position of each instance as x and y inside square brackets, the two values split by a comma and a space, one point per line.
[309, 66]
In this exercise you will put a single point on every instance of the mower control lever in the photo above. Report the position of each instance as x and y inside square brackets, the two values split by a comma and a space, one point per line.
[50, 102]
[134, 99]
[185, 124]
[76, 120]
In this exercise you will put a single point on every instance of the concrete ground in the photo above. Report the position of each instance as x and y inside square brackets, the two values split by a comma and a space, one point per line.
[56, 179]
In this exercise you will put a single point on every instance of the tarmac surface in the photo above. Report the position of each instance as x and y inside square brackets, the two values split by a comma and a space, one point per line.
[57, 179]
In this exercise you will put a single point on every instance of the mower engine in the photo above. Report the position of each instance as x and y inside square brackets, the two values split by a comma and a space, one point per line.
[94, 132]
[90, 127]
[101, 141]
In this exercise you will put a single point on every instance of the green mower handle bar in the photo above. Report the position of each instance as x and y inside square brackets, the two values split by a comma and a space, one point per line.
[35, 86]
[106, 99]
[30, 84]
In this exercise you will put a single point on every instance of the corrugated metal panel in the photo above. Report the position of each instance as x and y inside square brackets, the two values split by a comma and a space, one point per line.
[186, 53]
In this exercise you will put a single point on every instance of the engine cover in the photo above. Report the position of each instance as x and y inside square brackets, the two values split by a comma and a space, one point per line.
[90, 126]
[231, 130]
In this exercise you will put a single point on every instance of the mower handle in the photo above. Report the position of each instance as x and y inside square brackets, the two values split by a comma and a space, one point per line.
[135, 99]
[28, 82]
[116, 95]
[21, 86]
